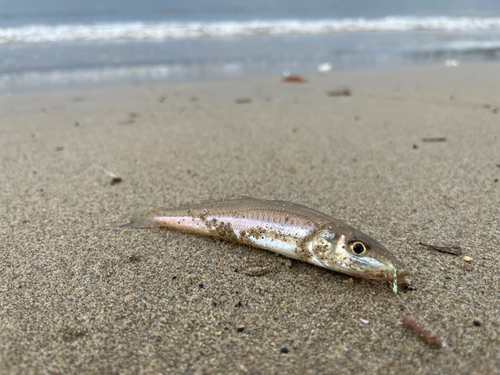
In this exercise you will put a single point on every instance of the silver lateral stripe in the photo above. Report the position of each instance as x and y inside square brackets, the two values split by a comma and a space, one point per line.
[278, 246]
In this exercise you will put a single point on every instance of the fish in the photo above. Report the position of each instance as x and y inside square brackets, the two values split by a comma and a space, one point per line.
[286, 228]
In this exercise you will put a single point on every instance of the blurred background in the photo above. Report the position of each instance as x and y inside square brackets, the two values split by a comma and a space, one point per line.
[48, 44]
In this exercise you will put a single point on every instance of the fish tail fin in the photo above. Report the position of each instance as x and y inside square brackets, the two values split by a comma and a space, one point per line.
[142, 216]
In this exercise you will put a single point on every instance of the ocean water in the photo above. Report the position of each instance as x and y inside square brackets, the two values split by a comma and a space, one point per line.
[50, 44]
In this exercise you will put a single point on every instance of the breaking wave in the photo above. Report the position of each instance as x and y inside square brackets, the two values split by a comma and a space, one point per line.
[182, 30]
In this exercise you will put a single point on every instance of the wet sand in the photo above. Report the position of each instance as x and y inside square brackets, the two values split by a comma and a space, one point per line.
[80, 295]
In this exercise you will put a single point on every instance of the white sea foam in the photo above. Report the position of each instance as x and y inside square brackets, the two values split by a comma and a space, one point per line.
[178, 30]
[36, 80]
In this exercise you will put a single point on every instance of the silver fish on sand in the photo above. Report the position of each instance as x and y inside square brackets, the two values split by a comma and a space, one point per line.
[286, 228]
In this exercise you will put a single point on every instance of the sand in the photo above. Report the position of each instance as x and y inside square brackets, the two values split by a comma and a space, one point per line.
[80, 295]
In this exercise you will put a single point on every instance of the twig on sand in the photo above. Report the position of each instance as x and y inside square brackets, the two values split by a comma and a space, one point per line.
[455, 250]
[439, 139]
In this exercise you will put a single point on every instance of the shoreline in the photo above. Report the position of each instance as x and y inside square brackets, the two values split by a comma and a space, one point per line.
[53, 66]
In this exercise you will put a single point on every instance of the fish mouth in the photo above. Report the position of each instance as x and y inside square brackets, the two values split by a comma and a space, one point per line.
[400, 276]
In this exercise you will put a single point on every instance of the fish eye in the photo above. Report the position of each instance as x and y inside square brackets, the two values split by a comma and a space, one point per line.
[358, 247]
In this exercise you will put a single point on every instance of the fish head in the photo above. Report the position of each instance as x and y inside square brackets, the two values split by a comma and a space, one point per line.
[356, 254]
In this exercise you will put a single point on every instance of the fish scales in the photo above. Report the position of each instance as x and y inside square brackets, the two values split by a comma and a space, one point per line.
[286, 228]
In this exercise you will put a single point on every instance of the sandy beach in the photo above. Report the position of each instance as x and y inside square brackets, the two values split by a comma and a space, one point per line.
[80, 295]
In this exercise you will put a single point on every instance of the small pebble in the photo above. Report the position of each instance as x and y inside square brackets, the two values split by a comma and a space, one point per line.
[243, 100]
[415, 146]
[364, 321]
[341, 92]
[437, 139]
[241, 329]
[477, 323]
[201, 285]
[115, 180]
[292, 78]
[284, 350]
[468, 259]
